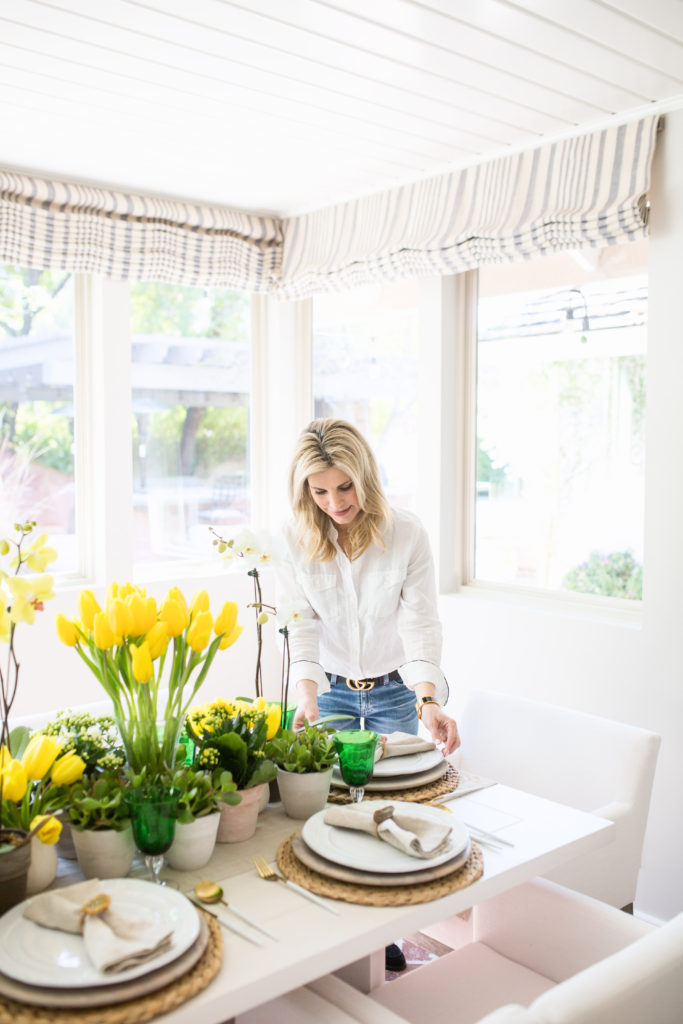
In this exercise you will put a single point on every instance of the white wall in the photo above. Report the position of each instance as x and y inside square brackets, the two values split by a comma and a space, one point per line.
[629, 672]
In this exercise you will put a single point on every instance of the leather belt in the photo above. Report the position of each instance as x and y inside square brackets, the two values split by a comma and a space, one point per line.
[363, 685]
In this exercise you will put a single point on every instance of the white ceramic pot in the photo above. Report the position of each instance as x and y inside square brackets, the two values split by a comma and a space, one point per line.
[193, 843]
[303, 793]
[265, 796]
[43, 867]
[239, 821]
[104, 853]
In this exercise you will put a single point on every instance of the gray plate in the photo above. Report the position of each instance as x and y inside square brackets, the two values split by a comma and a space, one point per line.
[396, 782]
[343, 874]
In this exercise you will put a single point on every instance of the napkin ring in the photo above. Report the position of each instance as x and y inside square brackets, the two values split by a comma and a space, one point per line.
[95, 905]
[381, 815]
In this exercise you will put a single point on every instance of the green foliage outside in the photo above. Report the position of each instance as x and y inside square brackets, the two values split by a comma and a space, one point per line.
[487, 471]
[613, 575]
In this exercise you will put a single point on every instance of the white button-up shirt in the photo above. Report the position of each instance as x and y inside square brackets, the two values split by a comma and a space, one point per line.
[370, 616]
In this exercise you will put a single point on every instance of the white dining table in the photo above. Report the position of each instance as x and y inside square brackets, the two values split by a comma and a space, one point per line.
[313, 941]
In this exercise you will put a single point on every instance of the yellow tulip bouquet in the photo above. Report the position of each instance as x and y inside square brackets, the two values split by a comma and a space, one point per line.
[21, 597]
[126, 645]
[37, 784]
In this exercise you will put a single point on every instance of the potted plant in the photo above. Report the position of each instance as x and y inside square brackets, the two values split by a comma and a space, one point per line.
[304, 762]
[202, 796]
[95, 739]
[232, 735]
[21, 597]
[100, 823]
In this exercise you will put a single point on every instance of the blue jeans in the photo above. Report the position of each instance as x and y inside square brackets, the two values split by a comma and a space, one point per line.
[384, 709]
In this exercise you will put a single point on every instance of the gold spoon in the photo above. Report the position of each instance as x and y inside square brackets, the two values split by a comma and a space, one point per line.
[212, 892]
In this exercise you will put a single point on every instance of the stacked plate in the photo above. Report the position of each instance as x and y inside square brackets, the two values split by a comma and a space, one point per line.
[408, 771]
[51, 968]
[353, 856]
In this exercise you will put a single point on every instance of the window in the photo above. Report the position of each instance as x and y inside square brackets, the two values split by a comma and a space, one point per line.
[36, 405]
[561, 363]
[191, 372]
[365, 370]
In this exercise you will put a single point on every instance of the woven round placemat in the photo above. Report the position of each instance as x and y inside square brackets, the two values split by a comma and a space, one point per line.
[374, 895]
[448, 783]
[134, 1011]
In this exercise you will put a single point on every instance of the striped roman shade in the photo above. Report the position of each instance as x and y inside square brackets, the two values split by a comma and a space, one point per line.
[75, 227]
[585, 191]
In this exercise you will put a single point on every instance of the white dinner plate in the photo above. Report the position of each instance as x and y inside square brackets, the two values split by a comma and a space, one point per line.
[407, 764]
[395, 782]
[364, 852]
[46, 957]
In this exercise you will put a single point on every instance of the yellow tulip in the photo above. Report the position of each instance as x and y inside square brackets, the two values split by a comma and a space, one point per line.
[229, 638]
[199, 603]
[260, 704]
[120, 617]
[226, 620]
[141, 662]
[13, 781]
[176, 594]
[67, 769]
[88, 607]
[67, 631]
[5, 621]
[143, 612]
[5, 757]
[112, 592]
[39, 754]
[157, 638]
[175, 615]
[273, 721]
[51, 830]
[199, 633]
[103, 634]
[127, 589]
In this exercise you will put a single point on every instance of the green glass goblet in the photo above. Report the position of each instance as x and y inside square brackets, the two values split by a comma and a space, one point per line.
[356, 750]
[153, 813]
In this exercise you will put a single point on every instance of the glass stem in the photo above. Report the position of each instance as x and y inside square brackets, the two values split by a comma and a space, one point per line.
[356, 793]
[155, 862]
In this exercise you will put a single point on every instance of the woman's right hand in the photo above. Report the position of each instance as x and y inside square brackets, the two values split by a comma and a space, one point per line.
[307, 703]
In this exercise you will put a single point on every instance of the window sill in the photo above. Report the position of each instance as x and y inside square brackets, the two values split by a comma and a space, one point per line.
[614, 611]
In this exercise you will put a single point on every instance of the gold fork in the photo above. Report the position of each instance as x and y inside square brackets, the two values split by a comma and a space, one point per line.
[269, 875]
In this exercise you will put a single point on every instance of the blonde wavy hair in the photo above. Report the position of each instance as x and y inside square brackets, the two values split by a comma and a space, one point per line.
[325, 444]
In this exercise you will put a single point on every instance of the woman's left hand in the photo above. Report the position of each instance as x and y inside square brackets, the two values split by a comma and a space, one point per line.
[444, 730]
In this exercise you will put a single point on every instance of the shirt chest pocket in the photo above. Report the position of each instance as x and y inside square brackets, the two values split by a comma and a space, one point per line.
[383, 593]
[322, 594]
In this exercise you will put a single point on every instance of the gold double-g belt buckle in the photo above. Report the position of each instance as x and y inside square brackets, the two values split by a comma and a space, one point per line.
[360, 684]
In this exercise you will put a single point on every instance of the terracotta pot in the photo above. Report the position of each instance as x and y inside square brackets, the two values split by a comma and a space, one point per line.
[104, 853]
[14, 865]
[239, 822]
[193, 843]
[265, 797]
[303, 793]
[42, 869]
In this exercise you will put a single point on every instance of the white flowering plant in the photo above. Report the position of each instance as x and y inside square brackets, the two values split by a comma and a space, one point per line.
[94, 738]
[257, 551]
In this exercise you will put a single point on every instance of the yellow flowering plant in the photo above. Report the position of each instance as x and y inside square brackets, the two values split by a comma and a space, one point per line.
[21, 598]
[37, 784]
[126, 645]
[232, 735]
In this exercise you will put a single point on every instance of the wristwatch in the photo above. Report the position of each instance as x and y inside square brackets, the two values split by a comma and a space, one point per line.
[421, 701]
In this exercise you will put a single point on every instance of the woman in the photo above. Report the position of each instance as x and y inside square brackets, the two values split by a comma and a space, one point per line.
[370, 641]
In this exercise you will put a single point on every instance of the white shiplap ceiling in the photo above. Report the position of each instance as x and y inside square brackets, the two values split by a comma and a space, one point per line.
[283, 106]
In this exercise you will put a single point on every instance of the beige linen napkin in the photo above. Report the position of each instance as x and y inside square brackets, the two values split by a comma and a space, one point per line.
[114, 941]
[398, 743]
[407, 832]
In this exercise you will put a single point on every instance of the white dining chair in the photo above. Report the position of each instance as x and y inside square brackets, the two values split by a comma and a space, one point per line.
[566, 956]
[591, 763]
[541, 954]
